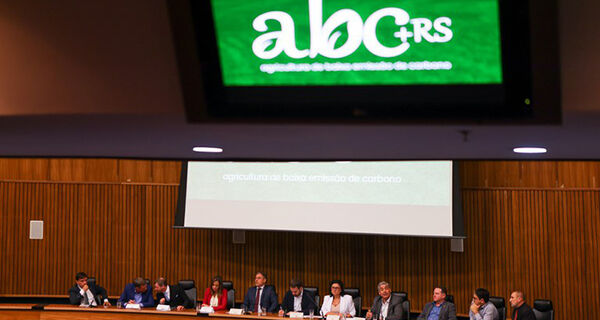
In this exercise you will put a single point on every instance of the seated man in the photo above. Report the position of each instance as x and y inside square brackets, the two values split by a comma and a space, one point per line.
[297, 300]
[137, 292]
[84, 295]
[174, 295]
[260, 296]
[385, 305]
[439, 309]
[481, 307]
[520, 309]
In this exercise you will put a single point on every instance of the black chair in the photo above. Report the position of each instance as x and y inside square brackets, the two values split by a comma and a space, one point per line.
[355, 293]
[315, 292]
[498, 302]
[450, 298]
[91, 281]
[189, 286]
[405, 302]
[228, 285]
[543, 309]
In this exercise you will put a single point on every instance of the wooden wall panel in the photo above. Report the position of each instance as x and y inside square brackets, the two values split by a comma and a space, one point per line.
[85, 170]
[525, 231]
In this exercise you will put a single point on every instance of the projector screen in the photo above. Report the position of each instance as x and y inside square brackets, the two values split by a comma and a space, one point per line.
[357, 42]
[395, 198]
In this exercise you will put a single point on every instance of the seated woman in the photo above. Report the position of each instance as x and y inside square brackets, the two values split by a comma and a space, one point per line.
[215, 296]
[337, 302]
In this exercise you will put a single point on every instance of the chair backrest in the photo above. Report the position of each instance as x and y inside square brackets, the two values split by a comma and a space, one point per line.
[315, 292]
[91, 281]
[405, 302]
[450, 298]
[355, 293]
[189, 286]
[543, 309]
[498, 302]
[228, 285]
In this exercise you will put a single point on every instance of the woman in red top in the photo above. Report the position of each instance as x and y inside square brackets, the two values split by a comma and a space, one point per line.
[215, 296]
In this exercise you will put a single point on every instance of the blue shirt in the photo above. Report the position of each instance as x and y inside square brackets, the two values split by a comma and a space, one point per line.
[138, 298]
[435, 312]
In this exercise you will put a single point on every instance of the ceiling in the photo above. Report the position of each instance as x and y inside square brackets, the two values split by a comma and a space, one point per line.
[126, 101]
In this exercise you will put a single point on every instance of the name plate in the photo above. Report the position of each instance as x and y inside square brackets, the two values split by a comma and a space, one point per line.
[333, 317]
[163, 307]
[133, 306]
[206, 309]
[235, 311]
[296, 315]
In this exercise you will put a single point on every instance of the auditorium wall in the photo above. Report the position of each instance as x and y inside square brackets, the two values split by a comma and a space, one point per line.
[531, 225]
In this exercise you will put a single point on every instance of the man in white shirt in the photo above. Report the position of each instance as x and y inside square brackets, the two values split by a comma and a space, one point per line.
[386, 306]
[172, 295]
[297, 300]
[261, 295]
[87, 295]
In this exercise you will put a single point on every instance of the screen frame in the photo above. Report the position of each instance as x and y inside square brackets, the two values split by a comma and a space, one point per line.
[458, 231]
[207, 100]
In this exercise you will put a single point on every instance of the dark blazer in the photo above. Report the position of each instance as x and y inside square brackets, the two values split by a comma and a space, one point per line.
[395, 309]
[98, 292]
[178, 297]
[308, 302]
[268, 299]
[222, 299]
[525, 313]
[129, 294]
[448, 311]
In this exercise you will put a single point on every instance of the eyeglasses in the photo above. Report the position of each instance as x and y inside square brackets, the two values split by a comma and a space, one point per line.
[336, 288]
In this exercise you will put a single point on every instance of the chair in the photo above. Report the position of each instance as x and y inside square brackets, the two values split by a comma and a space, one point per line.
[405, 302]
[228, 285]
[355, 293]
[315, 292]
[189, 286]
[450, 298]
[500, 306]
[543, 309]
[91, 281]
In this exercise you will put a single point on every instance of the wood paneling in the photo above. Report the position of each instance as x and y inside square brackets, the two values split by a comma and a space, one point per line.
[531, 226]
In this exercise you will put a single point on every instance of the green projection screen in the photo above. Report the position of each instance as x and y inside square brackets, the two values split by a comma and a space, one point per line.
[358, 42]
[416, 198]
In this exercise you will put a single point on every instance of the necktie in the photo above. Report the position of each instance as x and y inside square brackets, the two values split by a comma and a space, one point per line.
[86, 301]
[257, 299]
[516, 313]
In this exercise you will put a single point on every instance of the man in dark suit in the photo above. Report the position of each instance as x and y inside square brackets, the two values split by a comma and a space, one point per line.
[137, 293]
[174, 295]
[297, 300]
[439, 309]
[261, 295]
[87, 295]
[521, 310]
[385, 305]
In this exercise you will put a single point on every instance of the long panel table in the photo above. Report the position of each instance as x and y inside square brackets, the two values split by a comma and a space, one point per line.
[59, 311]
[18, 311]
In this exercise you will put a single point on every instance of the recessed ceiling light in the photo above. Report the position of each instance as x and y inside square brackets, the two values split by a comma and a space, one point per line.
[208, 149]
[530, 150]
